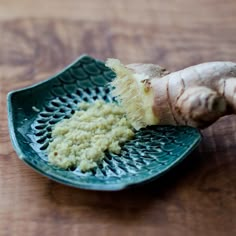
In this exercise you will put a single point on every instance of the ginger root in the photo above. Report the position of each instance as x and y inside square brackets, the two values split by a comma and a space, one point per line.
[196, 96]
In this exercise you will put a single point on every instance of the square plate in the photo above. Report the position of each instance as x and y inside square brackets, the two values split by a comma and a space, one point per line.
[33, 111]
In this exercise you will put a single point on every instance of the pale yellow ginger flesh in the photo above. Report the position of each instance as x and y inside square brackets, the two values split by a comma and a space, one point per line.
[82, 140]
[134, 94]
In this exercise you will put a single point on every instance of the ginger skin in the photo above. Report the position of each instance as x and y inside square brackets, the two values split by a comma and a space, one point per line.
[196, 96]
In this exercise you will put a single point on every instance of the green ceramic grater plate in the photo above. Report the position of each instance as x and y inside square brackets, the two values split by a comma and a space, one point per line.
[33, 111]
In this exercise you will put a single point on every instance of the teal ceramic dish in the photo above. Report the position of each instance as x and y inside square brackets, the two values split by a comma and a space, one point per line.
[33, 111]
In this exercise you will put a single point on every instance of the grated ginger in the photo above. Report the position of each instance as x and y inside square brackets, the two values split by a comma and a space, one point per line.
[83, 139]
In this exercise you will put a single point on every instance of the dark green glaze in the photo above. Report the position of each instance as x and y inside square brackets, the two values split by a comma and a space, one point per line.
[34, 110]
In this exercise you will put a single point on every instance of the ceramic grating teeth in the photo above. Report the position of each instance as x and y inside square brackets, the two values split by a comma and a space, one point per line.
[136, 153]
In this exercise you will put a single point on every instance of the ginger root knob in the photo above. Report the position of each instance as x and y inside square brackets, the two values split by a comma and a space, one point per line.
[196, 96]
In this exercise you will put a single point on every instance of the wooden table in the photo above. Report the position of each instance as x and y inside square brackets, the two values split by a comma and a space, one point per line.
[37, 39]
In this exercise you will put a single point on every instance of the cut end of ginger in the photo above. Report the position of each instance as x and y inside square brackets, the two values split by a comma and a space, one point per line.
[134, 94]
[82, 140]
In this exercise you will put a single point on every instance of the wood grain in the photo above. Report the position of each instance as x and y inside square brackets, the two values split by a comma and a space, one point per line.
[199, 196]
